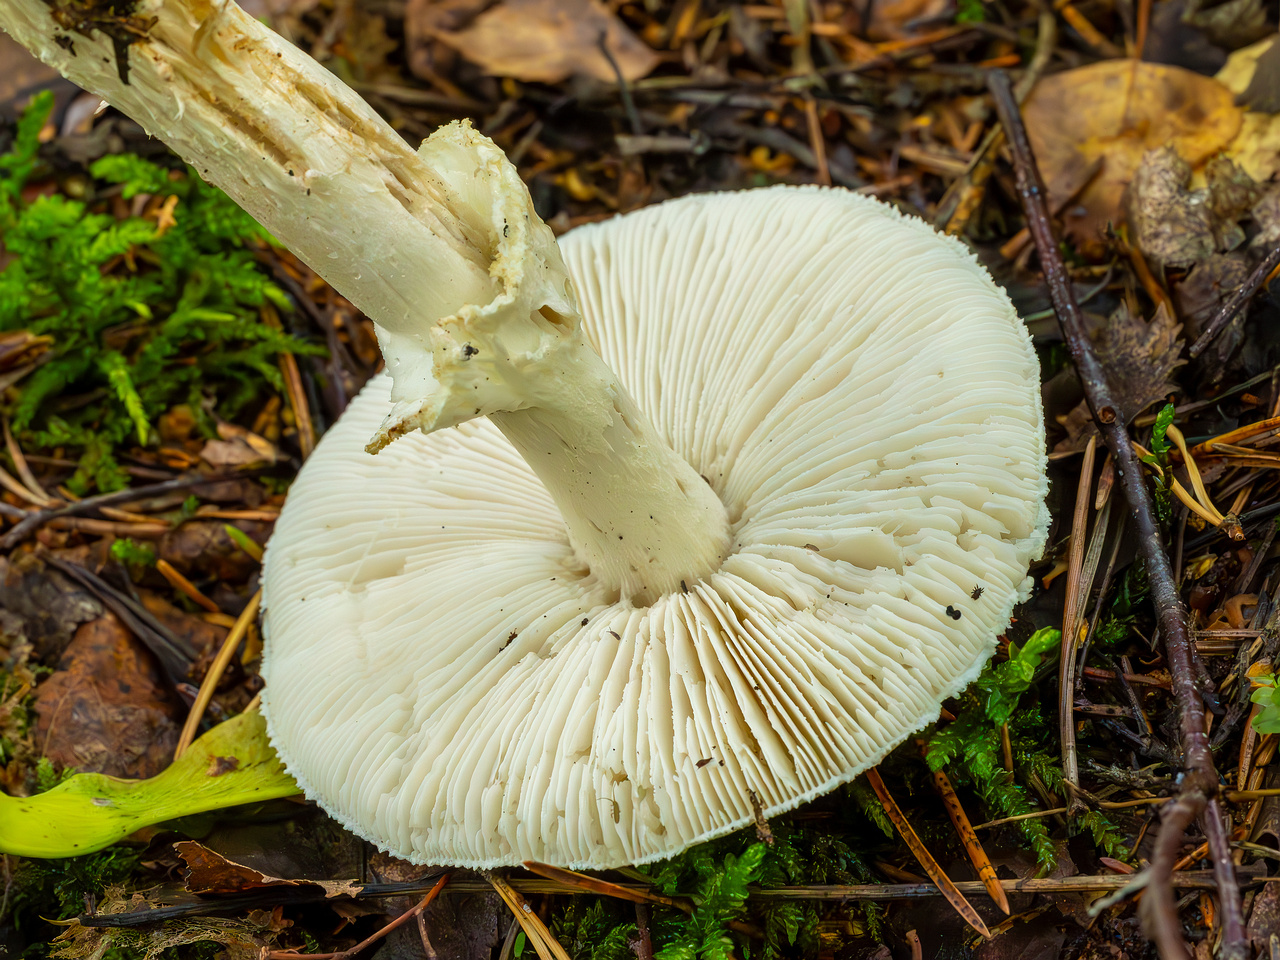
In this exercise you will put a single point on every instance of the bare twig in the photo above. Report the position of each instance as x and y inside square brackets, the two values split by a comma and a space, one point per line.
[408, 915]
[1237, 301]
[38, 518]
[1200, 783]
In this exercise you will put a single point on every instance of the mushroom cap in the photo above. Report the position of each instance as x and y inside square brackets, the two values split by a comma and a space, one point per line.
[446, 678]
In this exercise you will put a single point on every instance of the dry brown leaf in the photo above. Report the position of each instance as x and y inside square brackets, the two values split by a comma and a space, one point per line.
[1117, 110]
[1253, 74]
[106, 710]
[238, 447]
[209, 872]
[1170, 225]
[548, 41]
[1139, 358]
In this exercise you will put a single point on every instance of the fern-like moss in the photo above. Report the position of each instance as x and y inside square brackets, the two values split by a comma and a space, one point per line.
[143, 313]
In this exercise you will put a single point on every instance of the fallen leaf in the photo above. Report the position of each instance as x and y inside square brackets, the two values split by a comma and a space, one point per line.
[1207, 287]
[107, 709]
[1117, 110]
[548, 41]
[41, 605]
[241, 939]
[202, 548]
[209, 872]
[1264, 917]
[1038, 939]
[92, 811]
[1138, 356]
[238, 447]
[1171, 225]
[1253, 75]
[425, 21]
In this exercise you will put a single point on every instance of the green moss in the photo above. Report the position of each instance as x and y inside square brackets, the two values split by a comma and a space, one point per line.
[143, 314]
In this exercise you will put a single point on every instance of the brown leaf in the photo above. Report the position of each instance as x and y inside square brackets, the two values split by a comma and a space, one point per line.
[107, 709]
[1117, 110]
[211, 873]
[1170, 225]
[41, 605]
[202, 548]
[1139, 358]
[1037, 940]
[238, 447]
[550, 40]
[1210, 284]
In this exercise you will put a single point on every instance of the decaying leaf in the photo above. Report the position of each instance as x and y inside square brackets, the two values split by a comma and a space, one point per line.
[1209, 284]
[1117, 110]
[1253, 75]
[1177, 227]
[1139, 358]
[40, 605]
[1170, 224]
[209, 872]
[550, 40]
[238, 447]
[107, 709]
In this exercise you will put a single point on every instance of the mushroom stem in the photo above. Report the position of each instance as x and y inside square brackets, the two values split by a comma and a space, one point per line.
[441, 248]
[637, 513]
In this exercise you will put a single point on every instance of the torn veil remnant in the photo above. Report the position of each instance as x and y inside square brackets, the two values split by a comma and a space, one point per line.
[718, 471]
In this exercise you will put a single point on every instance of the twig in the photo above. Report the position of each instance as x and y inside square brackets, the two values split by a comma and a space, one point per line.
[372, 938]
[877, 892]
[38, 518]
[624, 91]
[1200, 784]
[945, 884]
[1072, 611]
[1237, 301]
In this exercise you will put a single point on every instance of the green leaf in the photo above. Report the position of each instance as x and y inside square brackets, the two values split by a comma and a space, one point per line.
[231, 764]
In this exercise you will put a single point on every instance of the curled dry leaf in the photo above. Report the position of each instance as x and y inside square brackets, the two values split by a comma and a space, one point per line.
[548, 41]
[106, 709]
[1117, 110]
[208, 872]
[1253, 75]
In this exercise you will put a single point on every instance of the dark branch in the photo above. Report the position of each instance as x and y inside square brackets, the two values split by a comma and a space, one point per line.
[1200, 784]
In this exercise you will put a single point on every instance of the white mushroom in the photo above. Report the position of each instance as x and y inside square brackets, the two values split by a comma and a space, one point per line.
[543, 634]
[466, 666]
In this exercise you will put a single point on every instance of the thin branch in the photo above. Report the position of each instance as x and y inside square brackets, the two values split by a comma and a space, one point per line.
[1237, 301]
[37, 518]
[1200, 784]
